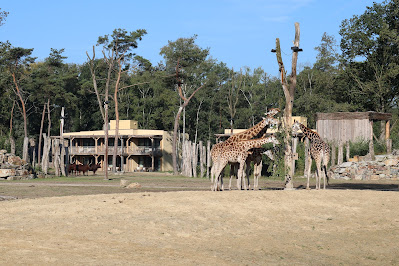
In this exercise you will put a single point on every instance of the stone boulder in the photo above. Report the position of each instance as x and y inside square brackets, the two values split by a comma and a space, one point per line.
[4, 173]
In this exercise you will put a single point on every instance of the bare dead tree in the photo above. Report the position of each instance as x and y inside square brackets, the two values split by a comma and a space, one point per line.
[103, 105]
[40, 135]
[289, 92]
[183, 104]
[11, 138]
[233, 95]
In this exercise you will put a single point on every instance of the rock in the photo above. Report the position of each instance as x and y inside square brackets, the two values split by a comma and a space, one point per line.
[391, 162]
[124, 182]
[15, 160]
[134, 185]
[359, 177]
[7, 172]
[374, 177]
[345, 164]
[2, 152]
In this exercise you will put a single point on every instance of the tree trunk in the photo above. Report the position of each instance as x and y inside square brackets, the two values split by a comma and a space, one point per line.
[25, 146]
[340, 153]
[174, 150]
[106, 142]
[46, 147]
[202, 158]
[12, 144]
[195, 158]
[39, 153]
[176, 127]
[56, 152]
[347, 151]
[333, 153]
[12, 140]
[116, 142]
[289, 92]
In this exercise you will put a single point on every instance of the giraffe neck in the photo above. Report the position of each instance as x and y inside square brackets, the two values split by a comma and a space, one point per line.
[310, 134]
[249, 133]
[257, 143]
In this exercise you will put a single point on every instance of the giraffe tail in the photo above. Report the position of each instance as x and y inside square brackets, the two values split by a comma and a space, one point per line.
[327, 178]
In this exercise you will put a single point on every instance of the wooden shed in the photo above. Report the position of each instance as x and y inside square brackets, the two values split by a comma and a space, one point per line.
[349, 126]
[341, 127]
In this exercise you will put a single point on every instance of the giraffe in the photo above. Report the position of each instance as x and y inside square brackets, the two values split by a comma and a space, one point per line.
[245, 135]
[255, 155]
[319, 151]
[237, 152]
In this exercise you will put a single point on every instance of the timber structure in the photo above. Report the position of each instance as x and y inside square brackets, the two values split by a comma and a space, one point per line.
[138, 149]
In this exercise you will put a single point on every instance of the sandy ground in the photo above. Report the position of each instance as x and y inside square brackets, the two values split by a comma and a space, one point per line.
[300, 227]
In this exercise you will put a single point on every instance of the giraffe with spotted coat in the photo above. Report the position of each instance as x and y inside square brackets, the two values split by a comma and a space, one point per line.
[318, 150]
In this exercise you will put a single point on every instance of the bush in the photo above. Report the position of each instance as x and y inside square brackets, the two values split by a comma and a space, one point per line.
[359, 147]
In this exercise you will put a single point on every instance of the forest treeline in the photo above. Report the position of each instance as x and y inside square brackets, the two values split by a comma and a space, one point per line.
[360, 73]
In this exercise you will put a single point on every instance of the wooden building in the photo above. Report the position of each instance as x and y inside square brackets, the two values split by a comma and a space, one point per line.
[349, 126]
[341, 127]
[138, 149]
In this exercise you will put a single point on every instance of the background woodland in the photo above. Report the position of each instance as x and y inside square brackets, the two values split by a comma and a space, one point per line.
[358, 73]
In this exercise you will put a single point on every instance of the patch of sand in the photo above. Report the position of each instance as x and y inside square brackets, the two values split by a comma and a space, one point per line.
[203, 227]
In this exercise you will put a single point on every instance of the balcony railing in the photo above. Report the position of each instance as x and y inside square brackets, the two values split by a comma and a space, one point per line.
[141, 150]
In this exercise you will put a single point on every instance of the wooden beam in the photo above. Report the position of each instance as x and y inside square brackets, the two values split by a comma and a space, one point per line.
[353, 116]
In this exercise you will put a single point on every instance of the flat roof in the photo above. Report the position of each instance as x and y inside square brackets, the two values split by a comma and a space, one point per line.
[353, 116]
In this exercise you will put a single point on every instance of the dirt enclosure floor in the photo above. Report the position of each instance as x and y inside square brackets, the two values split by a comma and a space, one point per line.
[200, 227]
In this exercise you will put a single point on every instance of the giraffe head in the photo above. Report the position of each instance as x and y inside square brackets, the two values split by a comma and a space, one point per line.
[272, 112]
[272, 121]
[296, 126]
[273, 139]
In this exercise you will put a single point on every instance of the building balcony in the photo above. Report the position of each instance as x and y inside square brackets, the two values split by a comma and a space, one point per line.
[100, 150]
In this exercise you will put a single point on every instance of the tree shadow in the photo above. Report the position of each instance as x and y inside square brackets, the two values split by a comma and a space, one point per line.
[365, 186]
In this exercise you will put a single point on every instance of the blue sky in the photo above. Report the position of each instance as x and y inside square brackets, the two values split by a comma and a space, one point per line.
[238, 32]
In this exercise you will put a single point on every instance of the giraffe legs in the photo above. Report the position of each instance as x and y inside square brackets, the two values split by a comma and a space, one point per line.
[319, 174]
[241, 177]
[218, 182]
[248, 172]
[233, 173]
[309, 171]
[257, 172]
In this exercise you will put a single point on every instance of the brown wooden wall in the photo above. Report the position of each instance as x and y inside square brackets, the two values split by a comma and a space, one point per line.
[341, 131]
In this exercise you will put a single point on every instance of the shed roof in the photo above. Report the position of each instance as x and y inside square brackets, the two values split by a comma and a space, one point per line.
[353, 116]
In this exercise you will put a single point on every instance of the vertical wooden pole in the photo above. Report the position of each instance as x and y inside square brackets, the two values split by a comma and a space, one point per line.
[208, 157]
[202, 159]
[152, 155]
[371, 143]
[387, 127]
[387, 135]
[347, 151]
[195, 158]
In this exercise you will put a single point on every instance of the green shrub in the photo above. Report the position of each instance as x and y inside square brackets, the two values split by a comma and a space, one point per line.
[359, 147]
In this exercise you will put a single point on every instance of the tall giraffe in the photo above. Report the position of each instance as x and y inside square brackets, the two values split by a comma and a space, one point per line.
[245, 135]
[237, 152]
[319, 151]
